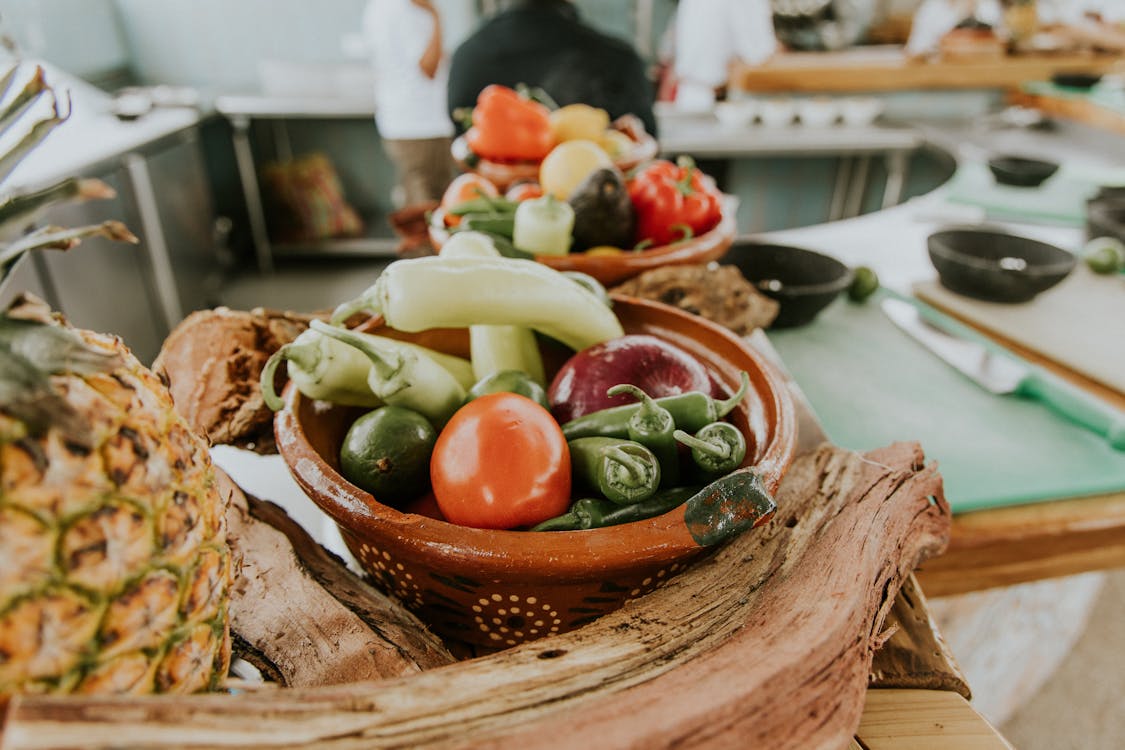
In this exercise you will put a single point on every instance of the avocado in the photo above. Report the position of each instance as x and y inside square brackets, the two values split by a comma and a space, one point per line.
[603, 213]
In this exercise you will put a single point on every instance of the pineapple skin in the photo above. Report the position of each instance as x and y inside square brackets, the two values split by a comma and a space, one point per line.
[115, 574]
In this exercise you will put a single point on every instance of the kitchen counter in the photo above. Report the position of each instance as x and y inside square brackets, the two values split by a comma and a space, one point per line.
[889, 69]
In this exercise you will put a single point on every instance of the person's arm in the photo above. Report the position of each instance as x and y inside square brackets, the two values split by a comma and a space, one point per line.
[431, 56]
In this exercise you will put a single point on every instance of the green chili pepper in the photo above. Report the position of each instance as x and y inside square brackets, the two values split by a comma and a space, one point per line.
[623, 471]
[597, 512]
[485, 204]
[652, 426]
[588, 281]
[505, 247]
[691, 411]
[402, 377]
[510, 381]
[501, 224]
[717, 449]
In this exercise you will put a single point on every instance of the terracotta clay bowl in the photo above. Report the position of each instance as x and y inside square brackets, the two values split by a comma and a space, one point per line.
[500, 588]
[613, 269]
[505, 174]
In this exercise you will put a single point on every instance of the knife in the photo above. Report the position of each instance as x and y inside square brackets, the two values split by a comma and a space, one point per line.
[1004, 374]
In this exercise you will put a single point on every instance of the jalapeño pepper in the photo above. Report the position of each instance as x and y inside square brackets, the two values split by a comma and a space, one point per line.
[716, 449]
[652, 426]
[597, 512]
[690, 411]
[623, 471]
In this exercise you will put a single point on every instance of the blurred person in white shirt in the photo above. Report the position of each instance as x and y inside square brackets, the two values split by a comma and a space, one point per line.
[404, 38]
[712, 34]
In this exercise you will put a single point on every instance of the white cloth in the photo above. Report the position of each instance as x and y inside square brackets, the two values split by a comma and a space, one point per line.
[709, 36]
[936, 18]
[408, 105]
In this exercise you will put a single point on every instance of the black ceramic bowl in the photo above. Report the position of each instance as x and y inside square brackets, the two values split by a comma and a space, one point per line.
[996, 266]
[1019, 171]
[802, 281]
[1105, 218]
[1076, 80]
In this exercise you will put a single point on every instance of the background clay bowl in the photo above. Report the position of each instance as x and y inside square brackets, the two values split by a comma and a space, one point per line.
[613, 269]
[500, 588]
[506, 174]
[996, 266]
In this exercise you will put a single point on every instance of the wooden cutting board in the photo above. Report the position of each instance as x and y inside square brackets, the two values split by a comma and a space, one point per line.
[1079, 324]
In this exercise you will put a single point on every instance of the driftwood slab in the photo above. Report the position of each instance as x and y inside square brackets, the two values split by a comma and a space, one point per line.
[304, 619]
[766, 643]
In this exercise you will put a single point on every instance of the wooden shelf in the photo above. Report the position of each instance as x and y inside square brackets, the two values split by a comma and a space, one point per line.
[890, 69]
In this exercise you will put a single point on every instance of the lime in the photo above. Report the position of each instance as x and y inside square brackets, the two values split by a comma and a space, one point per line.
[387, 452]
[1104, 255]
[864, 283]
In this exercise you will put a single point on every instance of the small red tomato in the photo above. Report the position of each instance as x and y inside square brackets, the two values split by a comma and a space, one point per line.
[501, 463]
[465, 187]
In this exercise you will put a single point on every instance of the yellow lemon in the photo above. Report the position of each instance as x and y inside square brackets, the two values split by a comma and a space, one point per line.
[569, 164]
[578, 122]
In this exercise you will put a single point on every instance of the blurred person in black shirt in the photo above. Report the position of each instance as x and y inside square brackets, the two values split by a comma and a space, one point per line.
[544, 43]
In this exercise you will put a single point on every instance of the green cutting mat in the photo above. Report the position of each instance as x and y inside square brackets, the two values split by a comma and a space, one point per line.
[871, 385]
[1060, 200]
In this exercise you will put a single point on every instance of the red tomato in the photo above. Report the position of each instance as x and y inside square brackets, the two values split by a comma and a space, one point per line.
[500, 463]
[465, 187]
[523, 191]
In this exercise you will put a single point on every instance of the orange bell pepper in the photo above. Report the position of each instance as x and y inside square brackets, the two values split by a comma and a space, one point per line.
[509, 127]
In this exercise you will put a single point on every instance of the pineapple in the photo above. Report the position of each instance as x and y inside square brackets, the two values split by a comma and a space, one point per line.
[114, 569]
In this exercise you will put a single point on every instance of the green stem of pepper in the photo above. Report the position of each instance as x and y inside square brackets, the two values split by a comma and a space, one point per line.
[621, 470]
[718, 448]
[691, 412]
[653, 426]
[596, 512]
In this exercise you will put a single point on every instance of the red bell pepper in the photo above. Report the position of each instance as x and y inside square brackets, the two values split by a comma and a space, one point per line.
[509, 127]
[673, 202]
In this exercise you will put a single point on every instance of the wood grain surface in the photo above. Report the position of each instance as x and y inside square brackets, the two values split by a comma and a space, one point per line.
[924, 720]
[767, 643]
[842, 72]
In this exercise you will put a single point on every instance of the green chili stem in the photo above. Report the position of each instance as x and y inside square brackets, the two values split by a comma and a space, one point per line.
[723, 408]
[633, 466]
[386, 364]
[651, 417]
[717, 449]
[302, 355]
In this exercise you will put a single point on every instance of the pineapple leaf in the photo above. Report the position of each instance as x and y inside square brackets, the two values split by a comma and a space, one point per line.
[26, 394]
[55, 238]
[19, 209]
[53, 349]
[7, 81]
[40, 130]
[23, 101]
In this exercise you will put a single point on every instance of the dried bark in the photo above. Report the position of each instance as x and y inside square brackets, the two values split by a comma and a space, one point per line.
[766, 643]
[307, 620]
[211, 363]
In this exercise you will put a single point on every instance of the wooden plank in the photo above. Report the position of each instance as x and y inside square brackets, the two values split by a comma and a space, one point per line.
[1029, 543]
[840, 72]
[924, 720]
